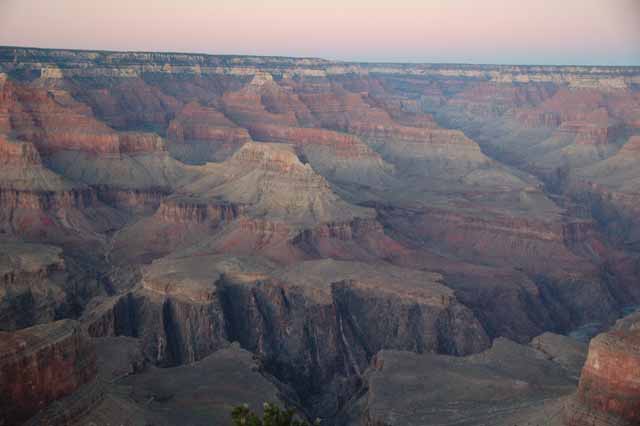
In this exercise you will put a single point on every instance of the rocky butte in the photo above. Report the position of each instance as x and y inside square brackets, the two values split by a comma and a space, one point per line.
[370, 244]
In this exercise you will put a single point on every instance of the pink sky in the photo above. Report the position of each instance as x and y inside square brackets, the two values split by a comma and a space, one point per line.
[602, 32]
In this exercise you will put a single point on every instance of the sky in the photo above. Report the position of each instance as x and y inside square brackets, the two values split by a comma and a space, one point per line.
[579, 32]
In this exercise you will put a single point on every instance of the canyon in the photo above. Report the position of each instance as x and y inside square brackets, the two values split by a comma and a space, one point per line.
[370, 244]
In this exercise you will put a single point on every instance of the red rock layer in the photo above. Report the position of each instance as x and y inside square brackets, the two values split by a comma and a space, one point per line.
[46, 200]
[339, 109]
[490, 99]
[43, 213]
[577, 112]
[632, 147]
[609, 390]
[349, 112]
[138, 200]
[265, 101]
[18, 154]
[627, 203]
[535, 118]
[360, 239]
[5, 120]
[625, 106]
[196, 122]
[184, 211]
[407, 112]
[129, 103]
[594, 128]
[140, 142]
[281, 162]
[508, 240]
[52, 120]
[41, 364]
[343, 145]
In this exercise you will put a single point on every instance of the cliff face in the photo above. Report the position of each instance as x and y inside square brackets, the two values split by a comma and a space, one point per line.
[308, 327]
[31, 284]
[608, 392]
[204, 134]
[131, 64]
[42, 364]
[296, 206]
[38, 203]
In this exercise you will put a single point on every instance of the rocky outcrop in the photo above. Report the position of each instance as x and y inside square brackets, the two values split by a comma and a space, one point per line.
[53, 120]
[370, 165]
[201, 393]
[45, 62]
[265, 101]
[336, 156]
[504, 385]
[18, 154]
[38, 203]
[510, 239]
[127, 102]
[491, 99]
[139, 142]
[31, 284]
[136, 181]
[40, 365]
[185, 210]
[273, 183]
[632, 146]
[611, 191]
[609, 393]
[138, 200]
[344, 145]
[594, 132]
[306, 322]
[203, 134]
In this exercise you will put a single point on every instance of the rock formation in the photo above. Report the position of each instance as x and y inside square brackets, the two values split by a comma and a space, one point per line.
[31, 284]
[608, 392]
[323, 215]
[41, 364]
[203, 134]
[504, 385]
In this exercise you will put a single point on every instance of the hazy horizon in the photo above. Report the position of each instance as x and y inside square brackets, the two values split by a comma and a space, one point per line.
[587, 32]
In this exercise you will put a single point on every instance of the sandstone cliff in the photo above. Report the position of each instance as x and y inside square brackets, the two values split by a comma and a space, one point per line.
[608, 393]
[42, 364]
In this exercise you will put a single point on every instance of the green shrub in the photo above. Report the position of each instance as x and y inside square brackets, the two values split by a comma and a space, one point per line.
[273, 416]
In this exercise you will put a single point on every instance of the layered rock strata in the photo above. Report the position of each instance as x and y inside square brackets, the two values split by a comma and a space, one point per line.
[40, 365]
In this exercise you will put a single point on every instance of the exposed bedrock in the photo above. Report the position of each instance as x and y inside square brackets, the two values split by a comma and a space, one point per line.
[41, 364]
[588, 285]
[609, 390]
[505, 385]
[264, 200]
[200, 134]
[34, 201]
[137, 200]
[193, 210]
[610, 189]
[140, 142]
[315, 327]
[32, 278]
[336, 156]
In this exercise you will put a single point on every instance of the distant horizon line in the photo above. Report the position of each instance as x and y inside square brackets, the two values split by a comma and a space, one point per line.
[358, 62]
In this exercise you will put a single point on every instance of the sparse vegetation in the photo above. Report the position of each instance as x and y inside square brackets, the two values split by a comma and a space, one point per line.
[273, 416]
